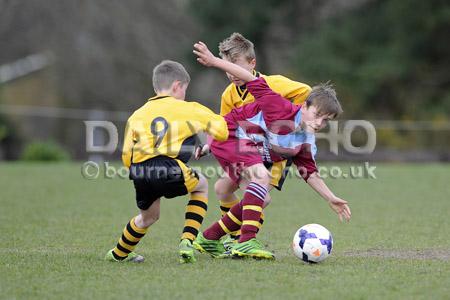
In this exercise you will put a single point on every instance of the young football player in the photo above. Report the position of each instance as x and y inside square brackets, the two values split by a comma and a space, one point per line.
[159, 140]
[285, 130]
[240, 51]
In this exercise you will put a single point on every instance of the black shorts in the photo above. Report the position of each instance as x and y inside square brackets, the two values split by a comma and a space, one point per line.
[161, 177]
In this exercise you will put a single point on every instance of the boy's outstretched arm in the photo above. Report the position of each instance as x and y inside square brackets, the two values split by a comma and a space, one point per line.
[337, 204]
[206, 58]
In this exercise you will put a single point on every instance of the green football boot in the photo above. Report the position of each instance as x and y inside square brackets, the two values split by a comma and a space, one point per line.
[132, 257]
[227, 254]
[251, 248]
[228, 242]
[212, 247]
[186, 252]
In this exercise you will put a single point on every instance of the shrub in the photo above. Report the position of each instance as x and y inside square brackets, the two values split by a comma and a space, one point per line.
[45, 151]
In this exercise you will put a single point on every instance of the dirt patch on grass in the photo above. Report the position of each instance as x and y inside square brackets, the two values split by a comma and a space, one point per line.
[441, 254]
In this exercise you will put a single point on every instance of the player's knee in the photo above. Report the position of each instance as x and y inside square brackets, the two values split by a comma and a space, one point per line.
[262, 178]
[258, 174]
[222, 188]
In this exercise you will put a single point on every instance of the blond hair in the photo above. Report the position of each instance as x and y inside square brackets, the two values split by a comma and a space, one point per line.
[236, 45]
[166, 73]
[323, 97]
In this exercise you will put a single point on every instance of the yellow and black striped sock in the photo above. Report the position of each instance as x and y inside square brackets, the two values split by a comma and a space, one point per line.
[224, 208]
[195, 212]
[131, 236]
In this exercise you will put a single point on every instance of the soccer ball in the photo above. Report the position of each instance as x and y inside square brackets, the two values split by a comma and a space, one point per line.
[312, 243]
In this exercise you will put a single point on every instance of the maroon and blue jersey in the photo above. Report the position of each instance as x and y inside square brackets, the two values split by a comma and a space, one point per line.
[273, 123]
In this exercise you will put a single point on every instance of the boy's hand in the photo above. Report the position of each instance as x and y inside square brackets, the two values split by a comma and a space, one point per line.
[341, 208]
[205, 57]
[201, 151]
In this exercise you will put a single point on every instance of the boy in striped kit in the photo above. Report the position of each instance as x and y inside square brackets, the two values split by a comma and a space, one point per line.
[239, 50]
[284, 130]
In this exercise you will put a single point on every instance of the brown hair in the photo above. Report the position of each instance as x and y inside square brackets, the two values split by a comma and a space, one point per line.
[323, 97]
[235, 45]
[167, 72]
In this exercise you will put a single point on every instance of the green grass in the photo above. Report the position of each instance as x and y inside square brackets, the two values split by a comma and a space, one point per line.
[55, 228]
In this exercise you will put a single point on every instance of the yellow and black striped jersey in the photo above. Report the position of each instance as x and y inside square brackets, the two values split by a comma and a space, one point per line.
[168, 126]
[234, 96]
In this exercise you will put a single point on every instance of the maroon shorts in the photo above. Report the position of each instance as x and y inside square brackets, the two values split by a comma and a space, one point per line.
[234, 155]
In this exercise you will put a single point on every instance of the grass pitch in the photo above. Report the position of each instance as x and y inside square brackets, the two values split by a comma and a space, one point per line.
[56, 227]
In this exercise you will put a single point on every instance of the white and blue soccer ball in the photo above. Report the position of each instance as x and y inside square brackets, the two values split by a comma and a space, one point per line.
[312, 243]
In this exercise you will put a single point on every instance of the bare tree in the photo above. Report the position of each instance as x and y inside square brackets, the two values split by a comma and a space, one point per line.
[104, 49]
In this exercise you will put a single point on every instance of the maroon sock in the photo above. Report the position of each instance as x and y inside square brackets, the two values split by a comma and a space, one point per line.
[252, 205]
[231, 221]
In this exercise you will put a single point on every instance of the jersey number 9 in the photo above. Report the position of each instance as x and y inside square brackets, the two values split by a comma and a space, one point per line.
[159, 128]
